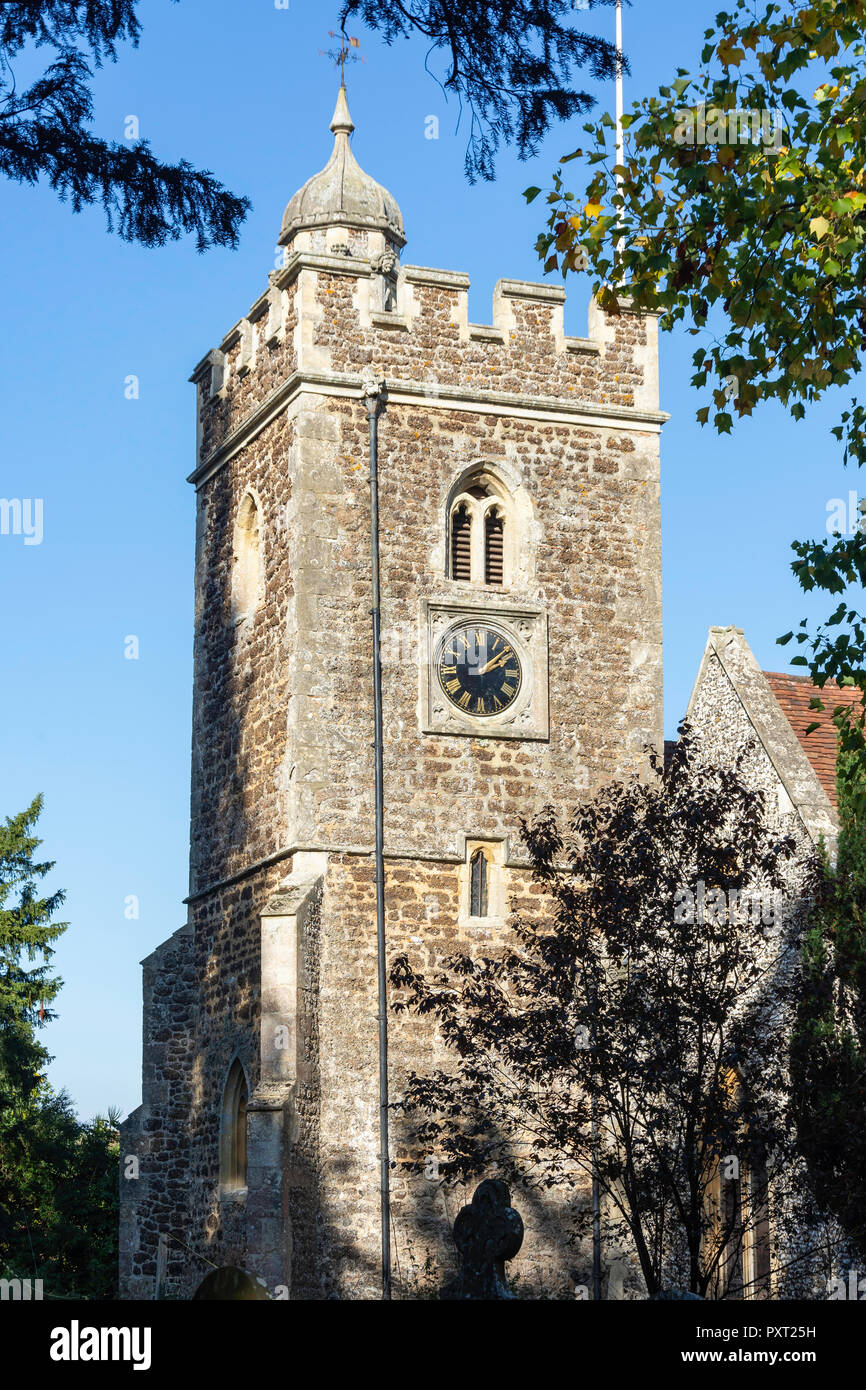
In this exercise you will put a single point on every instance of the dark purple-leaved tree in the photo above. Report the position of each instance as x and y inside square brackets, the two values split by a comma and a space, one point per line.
[646, 1001]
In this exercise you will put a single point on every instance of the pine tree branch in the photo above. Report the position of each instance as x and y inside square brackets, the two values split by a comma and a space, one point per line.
[511, 62]
[44, 132]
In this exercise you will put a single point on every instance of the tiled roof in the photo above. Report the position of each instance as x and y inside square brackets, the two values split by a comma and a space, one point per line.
[794, 694]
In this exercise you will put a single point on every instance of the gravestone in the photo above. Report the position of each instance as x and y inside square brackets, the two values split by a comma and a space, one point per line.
[487, 1232]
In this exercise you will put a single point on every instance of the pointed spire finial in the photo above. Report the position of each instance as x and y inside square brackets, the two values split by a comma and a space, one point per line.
[342, 121]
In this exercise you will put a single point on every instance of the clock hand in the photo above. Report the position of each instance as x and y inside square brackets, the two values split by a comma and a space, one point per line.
[495, 661]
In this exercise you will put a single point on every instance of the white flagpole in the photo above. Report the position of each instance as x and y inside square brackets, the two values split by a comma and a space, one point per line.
[620, 151]
[620, 147]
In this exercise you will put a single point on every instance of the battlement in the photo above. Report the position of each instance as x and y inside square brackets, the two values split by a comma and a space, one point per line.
[325, 320]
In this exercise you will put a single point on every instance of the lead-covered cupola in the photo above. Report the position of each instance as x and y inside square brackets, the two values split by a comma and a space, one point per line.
[342, 209]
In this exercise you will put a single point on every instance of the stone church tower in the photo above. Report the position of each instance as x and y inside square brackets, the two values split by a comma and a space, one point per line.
[521, 648]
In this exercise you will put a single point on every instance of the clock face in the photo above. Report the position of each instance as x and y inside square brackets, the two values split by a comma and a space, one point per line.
[478, 669]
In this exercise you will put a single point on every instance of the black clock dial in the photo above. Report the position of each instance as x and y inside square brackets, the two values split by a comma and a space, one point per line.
[478, 669]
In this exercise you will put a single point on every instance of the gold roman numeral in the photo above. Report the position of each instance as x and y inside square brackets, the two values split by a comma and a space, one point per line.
[452, 686]
[463, 702]
[508, 690]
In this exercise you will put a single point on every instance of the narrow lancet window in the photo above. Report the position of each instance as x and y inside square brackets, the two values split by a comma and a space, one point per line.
[246, 580]
[739, 1212]
[461, 543]
[494, 533]
[478, 884]
[233, 1147]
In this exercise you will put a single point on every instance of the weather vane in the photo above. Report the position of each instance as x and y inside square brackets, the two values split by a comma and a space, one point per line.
[342, 55]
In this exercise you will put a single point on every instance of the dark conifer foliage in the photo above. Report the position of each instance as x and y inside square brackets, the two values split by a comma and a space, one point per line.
[45, 130]
[58, 1176]
[511, 63]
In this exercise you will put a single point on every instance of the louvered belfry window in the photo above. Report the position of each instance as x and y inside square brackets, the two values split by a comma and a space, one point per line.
[461, 544]
[494, 528]
[481, 547]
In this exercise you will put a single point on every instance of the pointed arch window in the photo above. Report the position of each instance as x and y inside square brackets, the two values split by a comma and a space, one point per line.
[478, 884]
[739, 1212]
[233, 1133]
[741, 1202]
[481, 532]
[247, 569]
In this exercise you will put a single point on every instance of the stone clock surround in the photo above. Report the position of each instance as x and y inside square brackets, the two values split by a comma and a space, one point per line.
[526, 629]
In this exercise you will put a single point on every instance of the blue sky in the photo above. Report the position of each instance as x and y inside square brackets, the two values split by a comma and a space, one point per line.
[241, 89]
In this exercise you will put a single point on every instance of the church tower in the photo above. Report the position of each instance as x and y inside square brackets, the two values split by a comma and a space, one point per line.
[521, 650]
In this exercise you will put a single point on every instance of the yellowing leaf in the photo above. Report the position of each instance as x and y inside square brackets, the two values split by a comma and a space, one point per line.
[819, 227]
[729, 55]
[593, 209]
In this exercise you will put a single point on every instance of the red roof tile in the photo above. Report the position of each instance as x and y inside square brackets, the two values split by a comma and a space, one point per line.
[794, 694]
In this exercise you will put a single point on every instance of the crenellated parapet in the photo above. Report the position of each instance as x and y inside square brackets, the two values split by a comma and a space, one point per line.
[322, 323]
[342, 306]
